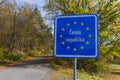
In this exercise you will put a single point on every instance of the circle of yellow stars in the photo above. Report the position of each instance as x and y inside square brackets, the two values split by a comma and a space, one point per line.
[81, 47]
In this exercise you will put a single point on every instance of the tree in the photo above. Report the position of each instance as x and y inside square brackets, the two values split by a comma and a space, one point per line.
[108, 12]
[43, 36]
[22, 28]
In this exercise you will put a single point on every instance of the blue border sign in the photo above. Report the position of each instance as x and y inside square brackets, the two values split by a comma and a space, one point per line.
[76, 36]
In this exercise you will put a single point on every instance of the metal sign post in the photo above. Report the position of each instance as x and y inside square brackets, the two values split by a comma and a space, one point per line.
[75, 69]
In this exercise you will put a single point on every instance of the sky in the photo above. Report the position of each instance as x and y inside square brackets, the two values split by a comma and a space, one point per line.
[38, 3]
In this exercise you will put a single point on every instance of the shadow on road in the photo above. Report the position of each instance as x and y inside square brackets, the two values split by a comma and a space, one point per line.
[42, 61]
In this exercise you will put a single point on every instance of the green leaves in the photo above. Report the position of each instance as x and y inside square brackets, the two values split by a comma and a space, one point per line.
[22, 28]
[109, 21]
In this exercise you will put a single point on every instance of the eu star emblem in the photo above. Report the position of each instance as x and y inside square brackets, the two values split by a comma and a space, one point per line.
[76, 36]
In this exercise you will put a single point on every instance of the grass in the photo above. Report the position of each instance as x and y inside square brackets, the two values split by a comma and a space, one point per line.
[8, 57]
[67, 74]
[115, 68]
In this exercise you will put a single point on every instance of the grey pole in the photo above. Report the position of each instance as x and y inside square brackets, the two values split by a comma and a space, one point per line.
[75, 69]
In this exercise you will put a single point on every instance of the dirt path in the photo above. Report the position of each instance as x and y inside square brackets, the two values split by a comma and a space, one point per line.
[35, 69]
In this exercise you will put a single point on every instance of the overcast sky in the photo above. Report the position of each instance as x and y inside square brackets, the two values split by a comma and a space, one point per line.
[38, 3]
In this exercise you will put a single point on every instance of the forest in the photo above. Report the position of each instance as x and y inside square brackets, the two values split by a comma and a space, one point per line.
[23, 32]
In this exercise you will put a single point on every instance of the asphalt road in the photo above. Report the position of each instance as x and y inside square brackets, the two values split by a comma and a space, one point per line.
[36, 69]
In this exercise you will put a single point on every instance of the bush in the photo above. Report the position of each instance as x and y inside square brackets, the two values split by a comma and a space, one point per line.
[64, 62]
[1, 56]
[12, 56]
[89, 65]
[35, 53]
[7, 56]
[101, 68]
